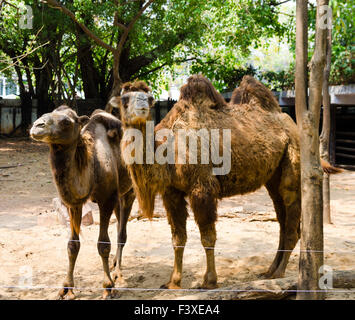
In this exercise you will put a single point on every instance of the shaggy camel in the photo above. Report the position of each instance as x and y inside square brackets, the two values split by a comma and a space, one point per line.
[86, 164]
[264, 150]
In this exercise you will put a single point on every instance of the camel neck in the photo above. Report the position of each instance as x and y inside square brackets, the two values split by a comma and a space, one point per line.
[67, 167]
[146, 166]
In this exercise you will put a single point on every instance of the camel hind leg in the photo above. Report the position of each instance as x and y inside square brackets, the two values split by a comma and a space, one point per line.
[175, 205]
[285, 191]
[104, 244]
[122, 212]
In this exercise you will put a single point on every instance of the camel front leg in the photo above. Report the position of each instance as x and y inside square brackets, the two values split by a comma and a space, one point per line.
[73, 251]
[175, 206]
[104, 247]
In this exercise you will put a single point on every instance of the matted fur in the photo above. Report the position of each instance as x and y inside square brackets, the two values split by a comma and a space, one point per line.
[200, 88]
[135, 86]
[264, 151]
[263, 145]
[251, 88]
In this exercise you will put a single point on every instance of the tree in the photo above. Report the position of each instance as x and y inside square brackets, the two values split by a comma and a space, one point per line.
[143, 34]
[234, 30]
[325, 135]
[308, 114]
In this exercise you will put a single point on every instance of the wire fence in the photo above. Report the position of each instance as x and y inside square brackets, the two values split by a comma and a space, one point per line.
[192, 290]
[215, 248]
[41, 287]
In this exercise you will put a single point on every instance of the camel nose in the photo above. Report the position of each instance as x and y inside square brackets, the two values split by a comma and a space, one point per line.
[40, 127]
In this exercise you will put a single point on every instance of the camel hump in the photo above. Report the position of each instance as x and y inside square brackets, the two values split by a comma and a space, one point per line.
[135, 86]
[249, 88]
[198, 88]
[112, 125]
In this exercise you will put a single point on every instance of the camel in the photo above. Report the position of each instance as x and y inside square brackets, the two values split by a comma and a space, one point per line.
[264, 150]
[86, 164]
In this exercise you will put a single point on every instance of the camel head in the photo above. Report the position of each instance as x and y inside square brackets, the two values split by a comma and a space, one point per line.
[135, 103]
[62, 126]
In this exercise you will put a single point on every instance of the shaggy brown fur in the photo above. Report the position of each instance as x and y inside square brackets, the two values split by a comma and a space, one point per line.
[251, 88]
[136, 86]
[264, 151]
[86, 164]
[198, 89]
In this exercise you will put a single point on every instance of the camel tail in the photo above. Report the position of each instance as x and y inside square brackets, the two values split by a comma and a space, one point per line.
[328, 168]
[249, 88]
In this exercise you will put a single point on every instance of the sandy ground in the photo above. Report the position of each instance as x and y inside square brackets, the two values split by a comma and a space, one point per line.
[33, 244]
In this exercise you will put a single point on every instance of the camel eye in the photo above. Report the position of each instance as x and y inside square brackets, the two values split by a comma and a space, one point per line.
[65, 122]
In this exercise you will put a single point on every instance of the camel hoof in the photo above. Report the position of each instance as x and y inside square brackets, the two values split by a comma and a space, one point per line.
[207, 286]
[66, 294]
[116, 275]
[109, 294]
[118, 279]
[170, 285]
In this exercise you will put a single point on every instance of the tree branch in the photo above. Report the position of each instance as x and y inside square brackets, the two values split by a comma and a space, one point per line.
[145, 59]
[275, 4]
[130, 26]
[56, 5]
[163, 65]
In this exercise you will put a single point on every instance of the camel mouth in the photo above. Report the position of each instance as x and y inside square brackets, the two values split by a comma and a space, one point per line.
[142, 112]
[39, 132]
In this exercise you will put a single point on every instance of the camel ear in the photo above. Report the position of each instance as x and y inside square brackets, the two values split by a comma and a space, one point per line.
[83, 120]
[151, 101]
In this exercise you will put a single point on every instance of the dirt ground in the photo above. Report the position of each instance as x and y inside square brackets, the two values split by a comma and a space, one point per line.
[33, 243]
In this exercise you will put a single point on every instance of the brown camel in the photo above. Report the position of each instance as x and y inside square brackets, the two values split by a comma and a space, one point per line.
[264, 150]
[86, 164]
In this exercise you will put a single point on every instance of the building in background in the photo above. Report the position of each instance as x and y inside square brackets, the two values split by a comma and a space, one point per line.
[9, 88]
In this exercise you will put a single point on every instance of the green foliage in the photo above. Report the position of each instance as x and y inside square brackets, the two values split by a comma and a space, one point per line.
[343, 46]
[171, 39]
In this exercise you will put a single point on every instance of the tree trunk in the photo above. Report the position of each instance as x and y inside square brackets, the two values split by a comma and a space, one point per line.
[42, 87]
[26, 103]
[26, 112]
[301, 74]
[311, 255]
[325, 135]
[271, 289]
[117, 82]
[89, 74]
